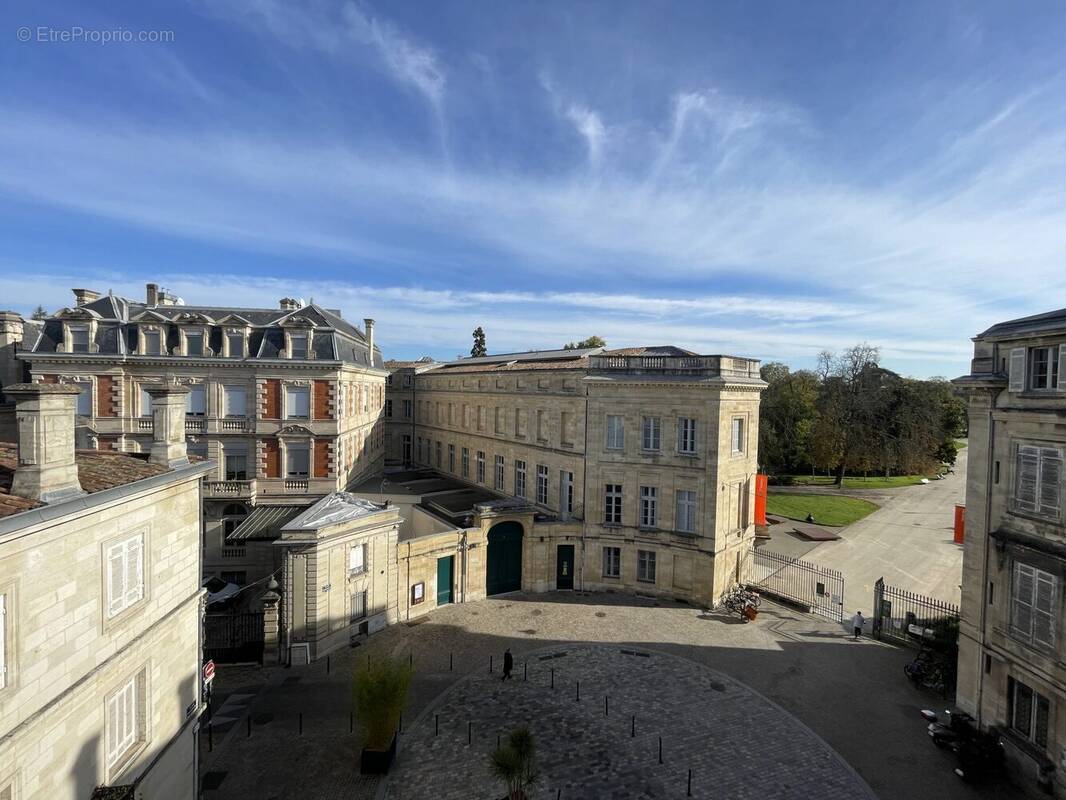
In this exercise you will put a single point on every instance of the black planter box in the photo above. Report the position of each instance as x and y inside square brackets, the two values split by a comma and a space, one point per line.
[377, 762]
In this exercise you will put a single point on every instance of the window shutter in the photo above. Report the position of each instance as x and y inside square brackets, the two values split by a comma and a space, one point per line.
[1028, 468]
[1023, 599]
[1017, 369]
[134, 570]
[1062, 368]
[1050, 481]
[116, 581]
[113, 734]
[1043, 610]
[3, 638]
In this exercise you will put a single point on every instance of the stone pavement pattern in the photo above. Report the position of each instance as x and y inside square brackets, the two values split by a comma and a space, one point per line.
[852, 694]
[709, 724]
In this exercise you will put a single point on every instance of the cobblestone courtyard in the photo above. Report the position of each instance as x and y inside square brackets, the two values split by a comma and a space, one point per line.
[708, 723]
[853, 695]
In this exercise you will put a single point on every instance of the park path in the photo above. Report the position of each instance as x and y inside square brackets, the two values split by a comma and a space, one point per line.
[908, 541]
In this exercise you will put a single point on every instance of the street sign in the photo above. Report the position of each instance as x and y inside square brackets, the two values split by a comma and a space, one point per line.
[209, 671]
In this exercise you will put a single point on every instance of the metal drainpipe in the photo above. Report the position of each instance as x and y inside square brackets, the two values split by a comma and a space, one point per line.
[463, 545]
[584, 492]
[990, 462]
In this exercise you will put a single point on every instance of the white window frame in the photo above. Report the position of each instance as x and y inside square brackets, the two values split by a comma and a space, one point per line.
[499, 474]
[542, 484]
[227, 339]
[520, 478]
[649, 506]
[290, 391]
[1032, 731]
[1034, 601]
[566, 492]
[407, 409]
[234, 450]
[85, 394]
[687, 503]
[686, 436]
[72, 329]
[357, 559]
[1044, 467]
[465, 459]
[651, 434]
[124, 573]
[616, 432]
[1051, 375]
[227, 393]
[196, 390]
[306, 336]
[125, 720]
[612, 562]
[612, 504]
[161, 339]
[646, 566]
[196, 333]
[146, 401]
[738, 436]
[297, 447]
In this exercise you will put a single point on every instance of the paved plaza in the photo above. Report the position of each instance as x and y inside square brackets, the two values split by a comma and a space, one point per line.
[852, 695]
[598, 714]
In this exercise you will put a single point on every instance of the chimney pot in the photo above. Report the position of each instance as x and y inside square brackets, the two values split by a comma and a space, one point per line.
[168, 426]
[369, 328]
[83, 296]
[152, 294]
[44, 415]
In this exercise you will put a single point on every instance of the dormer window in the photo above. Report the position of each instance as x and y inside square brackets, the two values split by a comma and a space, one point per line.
[297, 345]
[1043, 367]
[235, 345]
[153, 343]
[79, 340]
[194, 343]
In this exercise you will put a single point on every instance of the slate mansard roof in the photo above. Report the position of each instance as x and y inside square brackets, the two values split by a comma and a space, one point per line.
[334, 338]
[1048, 322]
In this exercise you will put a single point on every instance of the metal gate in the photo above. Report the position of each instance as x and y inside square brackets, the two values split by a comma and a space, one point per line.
[234, 637]
[912, 618]
[819, 590]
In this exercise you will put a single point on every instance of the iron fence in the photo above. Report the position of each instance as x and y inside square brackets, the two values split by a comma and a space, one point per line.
[232, 637]
[913, 619]
[818, 589]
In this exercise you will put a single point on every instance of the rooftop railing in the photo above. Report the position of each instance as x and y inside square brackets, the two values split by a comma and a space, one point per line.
[726, 366]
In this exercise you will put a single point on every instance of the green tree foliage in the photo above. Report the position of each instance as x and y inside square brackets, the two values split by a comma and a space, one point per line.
[855, 416]
[379, 695]
[39, 313]
[592, 341]
[515, 763]
[479, 348]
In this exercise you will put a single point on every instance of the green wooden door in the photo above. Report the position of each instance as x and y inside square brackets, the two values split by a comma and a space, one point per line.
[504, 570]
[445, 571]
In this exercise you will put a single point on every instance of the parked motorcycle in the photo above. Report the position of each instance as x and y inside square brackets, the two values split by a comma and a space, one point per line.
[979, 753]
[956, 727]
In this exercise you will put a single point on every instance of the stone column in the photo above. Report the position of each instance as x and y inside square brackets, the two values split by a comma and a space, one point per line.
[271, 652]
[168, 434]
[44, 417]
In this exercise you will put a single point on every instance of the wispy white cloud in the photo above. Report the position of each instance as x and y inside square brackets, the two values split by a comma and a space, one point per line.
[588, 124]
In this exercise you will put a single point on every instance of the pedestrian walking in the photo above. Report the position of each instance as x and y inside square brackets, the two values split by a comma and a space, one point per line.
[857, 622]
[508, 664]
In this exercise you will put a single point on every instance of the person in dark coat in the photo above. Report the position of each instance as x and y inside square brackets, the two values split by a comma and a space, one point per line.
[508, 664]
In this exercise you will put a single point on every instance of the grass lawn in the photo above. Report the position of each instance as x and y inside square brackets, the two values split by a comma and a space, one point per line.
[873, 482]
[828, 509]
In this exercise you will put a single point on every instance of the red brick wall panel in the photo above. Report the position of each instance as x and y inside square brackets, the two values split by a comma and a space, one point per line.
[272, 399]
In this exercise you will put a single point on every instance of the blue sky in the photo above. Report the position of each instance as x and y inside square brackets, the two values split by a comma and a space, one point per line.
[764, 179]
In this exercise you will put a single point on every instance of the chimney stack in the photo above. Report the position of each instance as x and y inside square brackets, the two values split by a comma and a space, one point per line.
[83, 296]
[289, 304]
[369, 329]
[168, 427]
[44, 415]
[152, 292]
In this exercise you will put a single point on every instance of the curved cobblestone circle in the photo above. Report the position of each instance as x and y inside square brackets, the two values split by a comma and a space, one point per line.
[737, 743]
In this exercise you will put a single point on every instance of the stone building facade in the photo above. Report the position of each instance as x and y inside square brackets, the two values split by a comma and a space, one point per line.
[287, 402]
[627, 469]
[100, 608]
[1012, 642]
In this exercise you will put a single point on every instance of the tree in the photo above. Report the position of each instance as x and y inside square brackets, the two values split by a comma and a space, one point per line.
[39, 313]
[479, 343]
[851, 396]
[514, 763]
[592, 341]
[379, 695]
[787, 417]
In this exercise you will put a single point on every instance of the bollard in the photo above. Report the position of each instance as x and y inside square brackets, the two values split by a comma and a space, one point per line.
[633, 728]
[451, 663]
[553, 677]
[577, 691]
[558, 793]
[660, 749]
[327, 665]
[210, 738]
[525, 670]
[497, 741]
[411, 659]
[351, 722]
[605, 706]
[249, 727]
[469, 731]
[490, 663]
[436, 724]
[301, 723]
[689, 793]
[401, 722]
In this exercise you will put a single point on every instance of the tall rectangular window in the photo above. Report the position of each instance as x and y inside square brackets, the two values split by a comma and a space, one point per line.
[407, 409]
[406, 444]
[520, 478]
[686, 435]
[420, 450]
[388, 408]
[499, 474]
[146, 403]
[236, 401]
[566, 493]
[125, 574]
[542, 430]
[451, 458]
[440, 456]
[357, 559]
[297, 345]
[3, 642]
[1034, 600]
[612, 504]
[1028, 712]
[1043, 367]
[297, 402]
[652, 434]
[480, 466]
[612, 562]
[196, 401]
[738, 440]
[649, 506]
[126, 714]
[466, 462]
[1038, 480]
[152, 343]
[616, 439]
[646, 566]
[194, 343]
[297, 460]
[236, 455]
[79, 340]
[686, 511]
[542, 484]
[84, 407]
[358, 606]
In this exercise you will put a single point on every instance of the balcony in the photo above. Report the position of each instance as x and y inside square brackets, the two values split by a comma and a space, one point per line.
[194, 424]
[233, 552]
[702, 366]
[145, 424]
[295, 485]
[235, 425]
[243, 489]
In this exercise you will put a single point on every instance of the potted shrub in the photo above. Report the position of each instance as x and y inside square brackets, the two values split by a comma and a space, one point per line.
[380, 694]
[514, 763]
